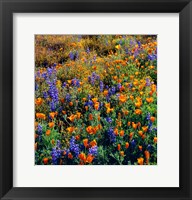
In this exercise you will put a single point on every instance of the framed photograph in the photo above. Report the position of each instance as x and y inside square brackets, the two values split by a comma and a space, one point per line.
[95, 99]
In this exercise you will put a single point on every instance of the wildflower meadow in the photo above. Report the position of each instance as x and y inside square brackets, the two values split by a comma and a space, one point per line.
[95, 100]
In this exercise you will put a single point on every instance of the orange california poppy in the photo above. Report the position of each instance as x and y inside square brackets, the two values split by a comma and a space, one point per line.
[152, 119]
[89, 158]
[93, 143]
[140, 161]
[77, 137]
[94, 100]
[82, 157]
[122, 98]
[139, 124]
[127, 145]
[140, 133]
[90, 117]
[122, 153]
[99, 126]
[115, 131]
[85, 142]
[138, 112]
[122, 133]
[52, 115]
[36, 145]
[40, 116]
[48, 132]
[131, 135]
[72, 117]
[145, 128]
[105, 92]
[45, 161]
[107, 105]
[71, 103]
[64, 112]
[149, 99]
[96, 105]
[147, 154]
[89, 129]
[132, 97]
[51, 124]
[109, 110]
[38, 101]
[70, 156]
[118, 147]
[78, 115]
[70, 129]
[134, 125]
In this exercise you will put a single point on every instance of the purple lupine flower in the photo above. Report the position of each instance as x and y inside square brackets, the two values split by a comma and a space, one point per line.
[133, 144]
[88, 50]
[148, 116]
[39, 129]
[126, 51]
[89, 97]
[38, 74]
[131, 42]
[92, 81]
[152, 57]
[101, 85]
[139, 44]
[74, 147]
[148, 83]
[71, 55]
[150, 126]
[68, 97]
[45, 95]
[78, 83]
[108, 99]
[93, 150]
[64, 84]
[97, 77]
[136, 53]
[149, 147]
[44, 75]
[109, 120]
[119, 86]
[90, 103]
[53, 91]
[36, 86]
[58, 143]
[52, 106]
[113, 90]
[111, 135]
[56, 155]
[49, 71]
[155, 128]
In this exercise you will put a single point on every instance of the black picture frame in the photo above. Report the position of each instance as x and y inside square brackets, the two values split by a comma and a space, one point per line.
[7, 8]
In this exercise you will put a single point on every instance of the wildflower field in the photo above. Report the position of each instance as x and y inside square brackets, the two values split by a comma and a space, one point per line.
[95, 99]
